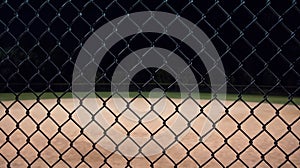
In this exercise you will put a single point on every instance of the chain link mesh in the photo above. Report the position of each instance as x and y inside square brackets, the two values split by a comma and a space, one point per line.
[258, 42]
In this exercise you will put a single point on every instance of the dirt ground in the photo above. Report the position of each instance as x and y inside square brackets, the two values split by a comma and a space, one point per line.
[28, 132]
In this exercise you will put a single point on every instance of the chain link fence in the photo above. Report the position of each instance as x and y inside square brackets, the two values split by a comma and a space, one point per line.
[258, 44]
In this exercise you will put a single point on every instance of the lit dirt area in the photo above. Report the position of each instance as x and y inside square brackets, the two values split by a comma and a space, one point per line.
[31, 135]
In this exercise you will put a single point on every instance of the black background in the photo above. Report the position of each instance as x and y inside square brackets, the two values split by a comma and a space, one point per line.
[257, 40]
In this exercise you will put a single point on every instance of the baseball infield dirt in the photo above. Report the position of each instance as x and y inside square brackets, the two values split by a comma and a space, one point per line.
[47, 131]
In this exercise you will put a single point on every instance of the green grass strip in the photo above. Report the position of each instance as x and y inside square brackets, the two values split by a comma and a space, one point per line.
[230, 97]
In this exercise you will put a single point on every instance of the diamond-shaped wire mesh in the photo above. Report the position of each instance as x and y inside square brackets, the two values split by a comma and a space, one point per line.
[258, 42]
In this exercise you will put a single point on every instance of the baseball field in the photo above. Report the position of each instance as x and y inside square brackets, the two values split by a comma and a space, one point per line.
[49, 127]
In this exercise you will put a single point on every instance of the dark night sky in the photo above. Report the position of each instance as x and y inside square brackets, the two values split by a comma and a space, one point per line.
[42, 39]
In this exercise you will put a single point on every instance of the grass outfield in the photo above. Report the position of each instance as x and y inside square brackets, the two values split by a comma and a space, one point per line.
[231, 97]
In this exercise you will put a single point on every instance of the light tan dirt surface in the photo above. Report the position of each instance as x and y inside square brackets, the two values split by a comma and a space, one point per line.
[47, 133]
